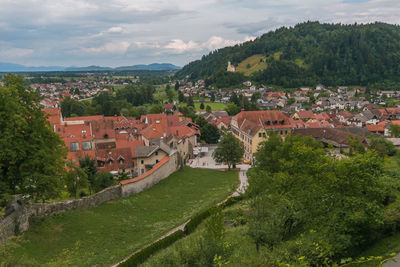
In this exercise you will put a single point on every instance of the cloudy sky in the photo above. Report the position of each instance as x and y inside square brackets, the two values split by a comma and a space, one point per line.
[128, 32]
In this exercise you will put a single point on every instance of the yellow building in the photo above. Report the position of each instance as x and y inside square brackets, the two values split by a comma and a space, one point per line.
[252, 127]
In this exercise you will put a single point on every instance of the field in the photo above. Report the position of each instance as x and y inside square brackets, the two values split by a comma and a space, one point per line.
[252, 64]
[214, 106]
[105, 234]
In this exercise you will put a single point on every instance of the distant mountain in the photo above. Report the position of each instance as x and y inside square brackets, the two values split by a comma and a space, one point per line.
[88, 68]
[11, 67]
[154, 66]
[307, 54]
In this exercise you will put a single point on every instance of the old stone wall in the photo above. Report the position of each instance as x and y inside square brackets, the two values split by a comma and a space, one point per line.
[18, 220]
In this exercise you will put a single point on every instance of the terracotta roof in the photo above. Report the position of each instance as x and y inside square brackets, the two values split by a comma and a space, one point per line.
[54, 115]
[329, 135]
[305, 114]
[252, 121]
[115, 159]
[380, 127]
[141, 177]
[85, 118]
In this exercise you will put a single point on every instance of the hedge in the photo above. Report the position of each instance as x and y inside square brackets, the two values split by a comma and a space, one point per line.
[197, 219]
[145, 253]
[190, 227]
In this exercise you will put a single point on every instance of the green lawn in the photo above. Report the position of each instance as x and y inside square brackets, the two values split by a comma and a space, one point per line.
[110, 232]
[214, 106]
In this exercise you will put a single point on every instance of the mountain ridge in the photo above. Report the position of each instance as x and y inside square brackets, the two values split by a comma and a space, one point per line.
[12, 67]
[309, 53]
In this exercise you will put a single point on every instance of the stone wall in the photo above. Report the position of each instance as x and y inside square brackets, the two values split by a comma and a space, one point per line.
[18, 220]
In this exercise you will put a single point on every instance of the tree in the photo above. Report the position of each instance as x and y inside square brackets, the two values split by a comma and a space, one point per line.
[190, 102]
[212, 98]
[381, 146]
[300, 194]
[201, 105]
[70, 106]
[208, 109]
[75, 179]
[103, 180]
[170, 95]
[230, 150]
[210, 133]
[89, 166]
[181, 97]
[232, 109]
[31, 154]
[177, 85]
[156, 109]
[395, 130]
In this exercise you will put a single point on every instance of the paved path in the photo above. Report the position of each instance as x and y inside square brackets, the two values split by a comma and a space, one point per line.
[240, 190]
[393, 263]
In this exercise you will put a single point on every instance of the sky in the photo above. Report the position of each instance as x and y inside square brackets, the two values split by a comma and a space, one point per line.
[128, 32]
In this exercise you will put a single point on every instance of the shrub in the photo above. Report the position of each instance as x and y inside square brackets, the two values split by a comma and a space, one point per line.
[145, 253]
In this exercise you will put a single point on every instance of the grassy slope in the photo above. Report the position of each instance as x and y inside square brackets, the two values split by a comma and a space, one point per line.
[113, 230]
[244, 251]
[255, 65]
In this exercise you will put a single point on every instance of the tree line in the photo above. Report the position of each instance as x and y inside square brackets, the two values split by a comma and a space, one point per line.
[311, 53]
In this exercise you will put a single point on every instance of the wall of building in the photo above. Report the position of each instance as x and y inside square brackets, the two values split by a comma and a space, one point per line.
[161, 170]
[18, 220]
[149, 161]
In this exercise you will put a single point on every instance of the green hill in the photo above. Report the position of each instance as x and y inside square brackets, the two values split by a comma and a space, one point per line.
[252, 64]
[307, 54]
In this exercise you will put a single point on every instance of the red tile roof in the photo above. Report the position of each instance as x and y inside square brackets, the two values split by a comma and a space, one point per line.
[114, 159]
[54, 115]
[251, 121]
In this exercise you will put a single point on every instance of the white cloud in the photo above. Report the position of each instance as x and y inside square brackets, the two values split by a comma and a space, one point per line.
[115, 30]
[179, 46]
[112, 48]
[8, 53]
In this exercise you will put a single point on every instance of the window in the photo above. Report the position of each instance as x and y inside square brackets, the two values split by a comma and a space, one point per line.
[156, 153]
[157, 161]
[142, 171]
[74, 146]
[259, 134]
[142, 161]
[87, 145]
[121, 161]
[264, 135]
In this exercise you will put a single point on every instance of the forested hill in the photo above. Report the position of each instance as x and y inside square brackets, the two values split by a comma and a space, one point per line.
[307, 54]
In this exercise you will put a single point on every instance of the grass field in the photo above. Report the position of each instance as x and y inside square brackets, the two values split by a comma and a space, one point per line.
[214, 106]
[113, 230]
[252, 64]
[243, 253]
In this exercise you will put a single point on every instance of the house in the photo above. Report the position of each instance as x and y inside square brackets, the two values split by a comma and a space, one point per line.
[303, 115]
[148, 156]
[252, 127]
[339, 139]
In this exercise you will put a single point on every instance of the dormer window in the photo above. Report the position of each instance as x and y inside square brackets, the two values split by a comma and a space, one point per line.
[121, 161]
[105, 136]
[110, 161]
[268, 123]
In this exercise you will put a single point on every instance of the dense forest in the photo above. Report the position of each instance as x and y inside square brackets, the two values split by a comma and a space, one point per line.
[311, 53]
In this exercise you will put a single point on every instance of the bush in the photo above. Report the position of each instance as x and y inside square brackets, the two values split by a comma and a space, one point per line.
[145, 253]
